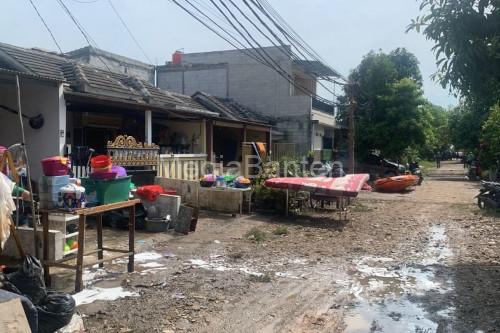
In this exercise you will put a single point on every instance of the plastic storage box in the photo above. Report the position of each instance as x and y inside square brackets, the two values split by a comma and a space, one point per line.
[106, 192]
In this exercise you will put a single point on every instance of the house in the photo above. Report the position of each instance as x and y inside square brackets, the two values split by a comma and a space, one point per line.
[84, 105]
[115, 62]
[307, 122]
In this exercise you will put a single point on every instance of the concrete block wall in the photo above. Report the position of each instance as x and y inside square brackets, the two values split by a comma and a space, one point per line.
[171, 81]
[212, 81]
[25, 234]
[253, 84]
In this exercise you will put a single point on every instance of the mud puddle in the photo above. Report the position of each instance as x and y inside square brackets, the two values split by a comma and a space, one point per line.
[387, 296]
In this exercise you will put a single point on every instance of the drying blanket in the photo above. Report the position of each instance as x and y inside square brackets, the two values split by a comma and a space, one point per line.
[7, 207]
[348, 186]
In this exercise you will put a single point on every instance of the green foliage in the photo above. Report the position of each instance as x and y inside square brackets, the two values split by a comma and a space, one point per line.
[281, 230]
[256, 234]
[490, 138]
[407, 65]
[464, 125]
[467, 46]
[389, 98]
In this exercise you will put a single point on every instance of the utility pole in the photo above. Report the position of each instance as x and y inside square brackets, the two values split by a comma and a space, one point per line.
[352, 109]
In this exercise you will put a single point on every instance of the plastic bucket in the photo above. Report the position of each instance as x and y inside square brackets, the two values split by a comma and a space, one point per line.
[107, 191]
[55, 166]
[101, 163]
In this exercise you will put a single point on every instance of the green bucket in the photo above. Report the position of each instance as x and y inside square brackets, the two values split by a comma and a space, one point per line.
[107, 191]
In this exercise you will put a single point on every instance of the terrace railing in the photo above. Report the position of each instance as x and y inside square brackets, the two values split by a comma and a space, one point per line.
[182, 166]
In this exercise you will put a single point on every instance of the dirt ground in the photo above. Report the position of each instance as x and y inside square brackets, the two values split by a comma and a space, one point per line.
[424, 261]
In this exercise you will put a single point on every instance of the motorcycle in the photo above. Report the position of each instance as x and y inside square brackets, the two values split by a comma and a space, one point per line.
[489, 195]
[415, 170]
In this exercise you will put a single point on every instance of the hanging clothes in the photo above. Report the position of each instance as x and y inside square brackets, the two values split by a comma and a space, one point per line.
[7, 207]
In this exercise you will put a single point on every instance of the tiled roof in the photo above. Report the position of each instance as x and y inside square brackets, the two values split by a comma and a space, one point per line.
[230, 109]
[87, 79]
[32, 61]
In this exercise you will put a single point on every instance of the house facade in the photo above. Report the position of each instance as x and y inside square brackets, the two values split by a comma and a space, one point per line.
[306, 122]
[85, 105]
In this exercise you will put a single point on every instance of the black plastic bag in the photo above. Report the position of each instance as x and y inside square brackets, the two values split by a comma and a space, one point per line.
[29, 280]
[55, 312]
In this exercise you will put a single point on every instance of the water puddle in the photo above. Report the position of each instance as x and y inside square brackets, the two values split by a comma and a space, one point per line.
[385, 294]
[91, 295]
[218, 263]
[390, 315]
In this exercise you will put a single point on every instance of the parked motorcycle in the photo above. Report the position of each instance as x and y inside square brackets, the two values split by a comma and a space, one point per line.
[489, 195]
[415, 170]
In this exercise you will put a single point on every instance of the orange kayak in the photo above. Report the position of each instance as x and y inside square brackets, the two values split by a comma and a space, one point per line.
[395, 184]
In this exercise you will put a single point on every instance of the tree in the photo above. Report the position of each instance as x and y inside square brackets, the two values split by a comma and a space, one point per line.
[464, 125]
[490, 138]
[387, 90]
[436, 128]
[407, 65]
[467, 37]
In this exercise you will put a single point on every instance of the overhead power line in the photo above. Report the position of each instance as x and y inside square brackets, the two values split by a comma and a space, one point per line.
[129, 31]
[242, 39]
[46, 26]
[90, 41]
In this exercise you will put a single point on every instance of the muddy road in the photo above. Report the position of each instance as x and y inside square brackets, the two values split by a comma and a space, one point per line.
[425, 261]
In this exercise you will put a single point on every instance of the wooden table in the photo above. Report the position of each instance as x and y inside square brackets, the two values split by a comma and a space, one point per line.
[83, 213]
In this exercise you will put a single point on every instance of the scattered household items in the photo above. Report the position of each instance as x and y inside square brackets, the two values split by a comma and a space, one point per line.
[348, 186]
[207, 180]
[489, 195]
[152, 192]
[51, 310]
[242, 182]
[415, 170]
[55, 312]
[82, 214]
[225, 199]
[55, 166]
[106, 191]
[396, 183]
[49, 188]
[158, 224]
[101, 163]
[186, 220]
[139, 159]
[28, 280]
[322, 188]
[161, 206]
[72, 196]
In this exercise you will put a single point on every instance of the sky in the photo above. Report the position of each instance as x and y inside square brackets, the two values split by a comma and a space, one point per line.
[341, 31]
